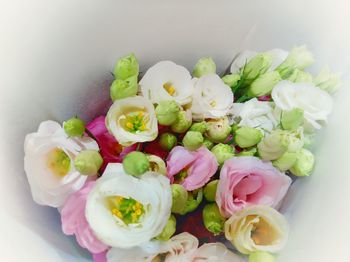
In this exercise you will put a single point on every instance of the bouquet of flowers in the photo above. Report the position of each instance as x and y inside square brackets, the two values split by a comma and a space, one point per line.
[185, 167]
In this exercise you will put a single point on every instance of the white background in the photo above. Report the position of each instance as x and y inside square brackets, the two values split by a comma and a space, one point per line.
[55, 59]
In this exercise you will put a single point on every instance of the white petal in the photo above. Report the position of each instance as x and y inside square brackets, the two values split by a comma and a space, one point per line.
[215, 252]
[241, 60]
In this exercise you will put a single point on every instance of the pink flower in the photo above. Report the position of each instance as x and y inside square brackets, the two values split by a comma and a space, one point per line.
[248, 180]
[195, 167]
[100, 257]
[74, 221]
[110, 149]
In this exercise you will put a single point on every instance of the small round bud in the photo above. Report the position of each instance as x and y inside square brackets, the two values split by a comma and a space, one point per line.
[193, 140]
[193, 201]
[168, 230]
[231, 80]
[207, 143]
[222, 152]
[182, 122]
[212, 219]
[264, 84]
[250, 152]
[74, 127]
[180, 196]
[256, 66]
[218, 130]
[126, 67]
[292, 119]
[299, 76]
[247, 136]
[210, 190]
[136, 163]
[123, 88]
[167, 141]
[304, 164]
[286, 161]
[88, 162]
[200, 127]
[204, 66]
[167, 112]
[156, 164]
[261, 256]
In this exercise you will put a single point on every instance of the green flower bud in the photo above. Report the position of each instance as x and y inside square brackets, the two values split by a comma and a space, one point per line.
[167, 112]
[286, 161]
[218, 130]
[261, 256]
[207, 143]
[327, 81]
[234, 128]
[126, 67]
[193, 201]
[88, 162]
[264, 84]
[193, 140]
[247, 136]
[222, 152]
[180, 196]
[300, 76]
[231, 80]
[168, 230]
[298, 58]
[136, 163]
[212, 219]
[167, 141]
[124, 88]
[278, 142]
[204, 66]
[256, 66]
[156, 164]
[182, 122]
[250, 152]
[291, 120]
[210, 190]
[74, 127]
[200, 127]
[304, 164]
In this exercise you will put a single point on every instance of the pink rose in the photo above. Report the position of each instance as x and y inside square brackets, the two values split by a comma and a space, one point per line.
[248, 180]
[74, 221]
[195, 167]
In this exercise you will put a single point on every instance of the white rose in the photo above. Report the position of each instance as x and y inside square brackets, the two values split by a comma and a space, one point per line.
[212, 98]
[257, 228]
[49, 163]
[132, 120]
[215, 252]
[277, 55]
[149, 198]
[316, 103]
[167, 81]
[254, 113]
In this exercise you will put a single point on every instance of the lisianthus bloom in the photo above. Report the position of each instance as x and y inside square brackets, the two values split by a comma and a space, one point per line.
[110, 149]
[132, 120]
[248, 181]
[191, 169]
[277, 56]
[215, 252]
[316, 103]
[49, 163]
[212, 98]
[125, 211]
[257, 228]
[255, 114]
[167, 81]
[74, 221]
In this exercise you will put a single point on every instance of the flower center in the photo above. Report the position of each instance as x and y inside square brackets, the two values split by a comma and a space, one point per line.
[58, 162]
[136, 121]
[169, 88]
[178, 178]
[263, 233]
[127, 209]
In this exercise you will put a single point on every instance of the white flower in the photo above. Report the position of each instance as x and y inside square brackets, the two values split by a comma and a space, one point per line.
[49, 163]
[115, 193]
[212, 98]
[254, 113]
[316, 103]
[132, 120]
[167, 81]
[257, 228]
[277, 55]
[215, 252]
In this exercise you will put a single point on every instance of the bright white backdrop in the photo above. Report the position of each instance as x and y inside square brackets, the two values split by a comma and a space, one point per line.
[55, 58]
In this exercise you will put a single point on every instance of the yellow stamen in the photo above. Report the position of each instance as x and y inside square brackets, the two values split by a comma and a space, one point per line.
[129, 125]
[213, 103]
[169, 88]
